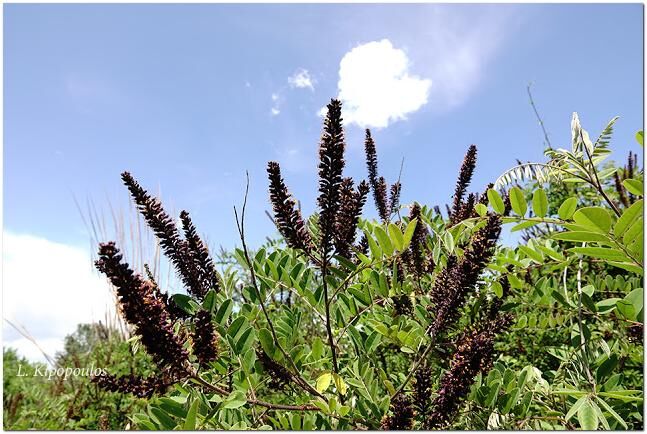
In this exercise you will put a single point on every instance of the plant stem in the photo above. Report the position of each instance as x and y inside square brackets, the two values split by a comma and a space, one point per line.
[331, 341]
[541, 122]
[241, 230]
[414, 368]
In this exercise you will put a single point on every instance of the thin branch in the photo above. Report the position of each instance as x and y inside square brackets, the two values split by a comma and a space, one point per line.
[240, 223]
[579, 321]
[258, 402]
[541, 122]
[414, 368]
[598, 185]
[331, 340]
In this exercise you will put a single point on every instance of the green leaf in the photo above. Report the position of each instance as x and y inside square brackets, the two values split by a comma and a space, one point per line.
[209, 302]
[182, 301]
[633, 186]
[518, 201]
[629, 266]
[235, 400]
[323, 382]
[189, 423]
[634, 231]
[612, 412]
[236, 325]
[396, 237]
[628, 217]
[480, 209]
[245, 341]
[593, 217]
[383, 240]
[588, 303]
[173, 407]
[317, 349]
[267, 342]
[164, 420]
[495, 201]
[576, 407]
[600, 252]
[224, 311]
[497, 289]
[606, 305]
[567, 208]
[601, 418]
[623, 395]
[540, 203]
[532, 254]
[581, 236]
[587, 416]
[408, 232]
[376, 253]
[550, 252]
[560, 297]
[515, 282]
[524, 225]
[343, 410]
[449, 241]
[340, 384]
[631, 306]
[639, 137]
[606, 367]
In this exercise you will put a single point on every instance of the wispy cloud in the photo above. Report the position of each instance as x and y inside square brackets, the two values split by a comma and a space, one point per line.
[275, 110]
[301, 79]
[457, 48]
[48, 288]
[376, 86]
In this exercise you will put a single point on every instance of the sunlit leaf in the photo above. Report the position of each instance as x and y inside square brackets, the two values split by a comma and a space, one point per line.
[594, 218]
[567, 208]
[540, 203]
[518, 201]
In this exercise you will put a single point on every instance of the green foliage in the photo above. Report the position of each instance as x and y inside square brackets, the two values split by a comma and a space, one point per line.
[37, 397]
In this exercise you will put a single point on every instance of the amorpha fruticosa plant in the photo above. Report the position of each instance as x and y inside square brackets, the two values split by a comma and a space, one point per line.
[386, 324]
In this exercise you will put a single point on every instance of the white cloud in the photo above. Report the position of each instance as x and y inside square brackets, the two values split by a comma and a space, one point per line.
[48, 288]
[301, 79]
[376, 87]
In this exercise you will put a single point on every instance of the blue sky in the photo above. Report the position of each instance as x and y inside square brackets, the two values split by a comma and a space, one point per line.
[189, 97]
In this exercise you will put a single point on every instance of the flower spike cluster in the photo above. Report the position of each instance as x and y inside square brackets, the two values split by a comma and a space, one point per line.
[394, 199]
[200, 253]
[460, 276]
[143, 309]
[286, 214]
[378, 184]
[402, 417]
[331, 167]
[461, 210]
[340, 202]
[422, 392]
[205, 339]
[138, 386]
[175, 312]
[416, 256]
[189, 256]
[474, 354]
[352, 202]
[279, 376]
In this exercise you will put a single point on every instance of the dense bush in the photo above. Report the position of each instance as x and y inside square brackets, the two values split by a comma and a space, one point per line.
[421, 320]
[44, 397]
